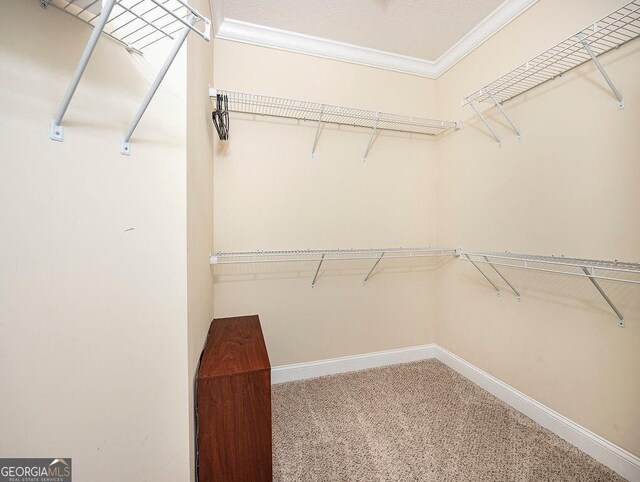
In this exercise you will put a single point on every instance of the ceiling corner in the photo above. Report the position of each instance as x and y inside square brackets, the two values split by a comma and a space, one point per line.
[239, 31]
[490, 25]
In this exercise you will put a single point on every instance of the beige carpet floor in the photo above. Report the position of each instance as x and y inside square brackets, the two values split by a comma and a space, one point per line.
[414, 422]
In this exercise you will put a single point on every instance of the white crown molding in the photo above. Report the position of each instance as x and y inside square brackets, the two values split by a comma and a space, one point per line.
[492, 24]
[319, 47]
[616, 458]
[230, 29]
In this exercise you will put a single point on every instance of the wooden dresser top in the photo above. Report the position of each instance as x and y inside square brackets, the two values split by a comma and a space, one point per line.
[234, 346]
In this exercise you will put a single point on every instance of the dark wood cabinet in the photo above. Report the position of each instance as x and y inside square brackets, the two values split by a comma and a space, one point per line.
[234, 403]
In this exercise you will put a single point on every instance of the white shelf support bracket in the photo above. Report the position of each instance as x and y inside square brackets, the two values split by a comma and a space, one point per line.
[590, 275]
[517, 293]
[373, 135]
[485, 276]
[56, 131]
[318, 130]
[484, 121]
[179, 40]
[372, 269]
[315, 277]
[596, 61]
[504, 113]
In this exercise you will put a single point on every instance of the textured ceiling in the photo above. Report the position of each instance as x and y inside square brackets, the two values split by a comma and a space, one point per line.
[424, 29]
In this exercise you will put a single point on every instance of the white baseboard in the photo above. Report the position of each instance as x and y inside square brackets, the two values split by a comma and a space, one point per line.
[616, 458]
[320, 368]
[621, 461]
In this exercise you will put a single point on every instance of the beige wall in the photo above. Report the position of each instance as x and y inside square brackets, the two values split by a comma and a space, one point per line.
[570, 187]
[93, 338]
[100, 328]
[269, 194]
[200, 132]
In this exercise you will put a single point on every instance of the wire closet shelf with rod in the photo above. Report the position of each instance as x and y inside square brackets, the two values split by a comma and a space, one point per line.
[610, 32]
[499, 264]
[593, 270]
[136, 25]
[319, 114]
[321, 255]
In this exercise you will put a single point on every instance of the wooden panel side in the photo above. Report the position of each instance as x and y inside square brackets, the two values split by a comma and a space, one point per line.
[234, 428]
[234, 345]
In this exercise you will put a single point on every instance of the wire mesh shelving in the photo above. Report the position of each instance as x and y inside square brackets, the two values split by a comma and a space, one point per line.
[322, 255]
[610, 32]
[593, 270]
[263, 105]
[136, 24]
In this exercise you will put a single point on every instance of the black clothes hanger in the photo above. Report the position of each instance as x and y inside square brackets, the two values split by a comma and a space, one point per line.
[220, 116]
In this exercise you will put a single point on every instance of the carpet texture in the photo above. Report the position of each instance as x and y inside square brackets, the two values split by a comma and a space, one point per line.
[413, 422]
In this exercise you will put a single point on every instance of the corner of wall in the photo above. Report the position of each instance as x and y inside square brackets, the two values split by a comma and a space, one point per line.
[200, 154]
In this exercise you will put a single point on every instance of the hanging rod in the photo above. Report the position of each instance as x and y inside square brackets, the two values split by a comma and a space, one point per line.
[320, 256]
[610, 32]
[318, 113]
[136, 24]
[593, 270]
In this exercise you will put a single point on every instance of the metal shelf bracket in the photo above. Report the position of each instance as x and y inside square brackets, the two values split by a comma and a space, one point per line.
[517, 293]
[177, 44]
[485, 276]
[590, 274]
[596, 61]
[315, 277]
[318, 130]
[373, 135]
[484, 121]
[135, 25]
[56, 131]
[372, 269]
[504, 113]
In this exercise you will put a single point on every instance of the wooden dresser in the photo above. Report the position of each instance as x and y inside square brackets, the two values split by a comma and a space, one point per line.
[234, 403]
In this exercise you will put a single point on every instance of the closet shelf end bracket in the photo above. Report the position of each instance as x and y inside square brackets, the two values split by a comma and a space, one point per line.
[125, 147]
[375, 265]
[602, 70]
[590, 272]
[56, 131]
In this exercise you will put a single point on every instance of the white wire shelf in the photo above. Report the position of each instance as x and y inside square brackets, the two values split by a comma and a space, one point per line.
[612, 31]
[594, 266]
[593, 270]
[332, 114]
[326, 254]
[137, 24]
[322, 255]
[318, 113]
